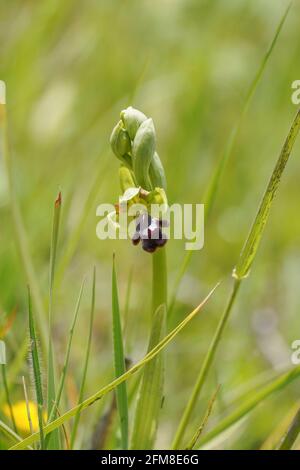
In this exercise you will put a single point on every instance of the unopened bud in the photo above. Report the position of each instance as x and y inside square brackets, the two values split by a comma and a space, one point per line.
[120, 143]
[142, 152]
[132, 119]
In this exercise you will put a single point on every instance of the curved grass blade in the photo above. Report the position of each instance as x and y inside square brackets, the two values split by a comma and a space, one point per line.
[8, 432]
[293, 432]
[56, 402]
[53, 441]
[191, 445]
[119, 360]
[250, 248]
[86, 362]
[275, 436]
[27, 404]
[111, 386]
[36, 372]
[151, 392]
[250, 403]
[214, 183]
[241, 271]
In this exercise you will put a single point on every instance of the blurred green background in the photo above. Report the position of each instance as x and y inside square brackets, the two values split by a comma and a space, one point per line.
[70, 67]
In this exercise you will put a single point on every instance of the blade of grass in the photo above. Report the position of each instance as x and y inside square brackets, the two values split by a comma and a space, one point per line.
[8, 432]
[127, 302]
[119, 360]
[276, 433]
[53, 441]
[214, 183]
[8, 400]
[27, 405]
[56, 402]
[36, 372]
[241, 271]
[293, 432]
[151, 392]
[199, 431]
[250, 403]
[86, 362]
[111, 386]
[20, 232]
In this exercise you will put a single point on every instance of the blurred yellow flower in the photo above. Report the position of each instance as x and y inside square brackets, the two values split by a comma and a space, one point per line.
[21, 416]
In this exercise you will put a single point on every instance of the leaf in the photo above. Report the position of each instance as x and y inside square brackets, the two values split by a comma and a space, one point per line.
[250, 403]
[199, 431]
[86, 362]
[36, 372]
[111, 386]
[151, 392]
[119, 360]
[56, 402]
[7, 431]
[53, 441]
[252, 243]
[293, 432]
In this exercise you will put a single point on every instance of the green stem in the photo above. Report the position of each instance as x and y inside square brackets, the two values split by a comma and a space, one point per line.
[159, 279]
[205, 368]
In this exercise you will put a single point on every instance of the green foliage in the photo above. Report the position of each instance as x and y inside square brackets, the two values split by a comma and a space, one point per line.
[119, 359]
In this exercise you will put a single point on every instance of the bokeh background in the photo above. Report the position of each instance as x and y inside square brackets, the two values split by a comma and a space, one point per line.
[70, 67]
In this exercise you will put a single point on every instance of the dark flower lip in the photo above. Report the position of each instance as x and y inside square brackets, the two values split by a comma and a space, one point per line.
[149, 231]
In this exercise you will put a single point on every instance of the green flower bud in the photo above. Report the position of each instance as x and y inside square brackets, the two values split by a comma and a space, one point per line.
[126, 178]
[142, 152]
[132, 119]
[157, 173]
[121, 144]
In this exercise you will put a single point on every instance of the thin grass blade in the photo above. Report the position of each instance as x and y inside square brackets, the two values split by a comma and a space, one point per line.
[250, 403]
[53, 441]
[151, 392]
[191, 445]
[293, 432]
[8, 432]
[119, 360]
[34, 352]
[86, 362]
[56, 402]
[250, 248]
